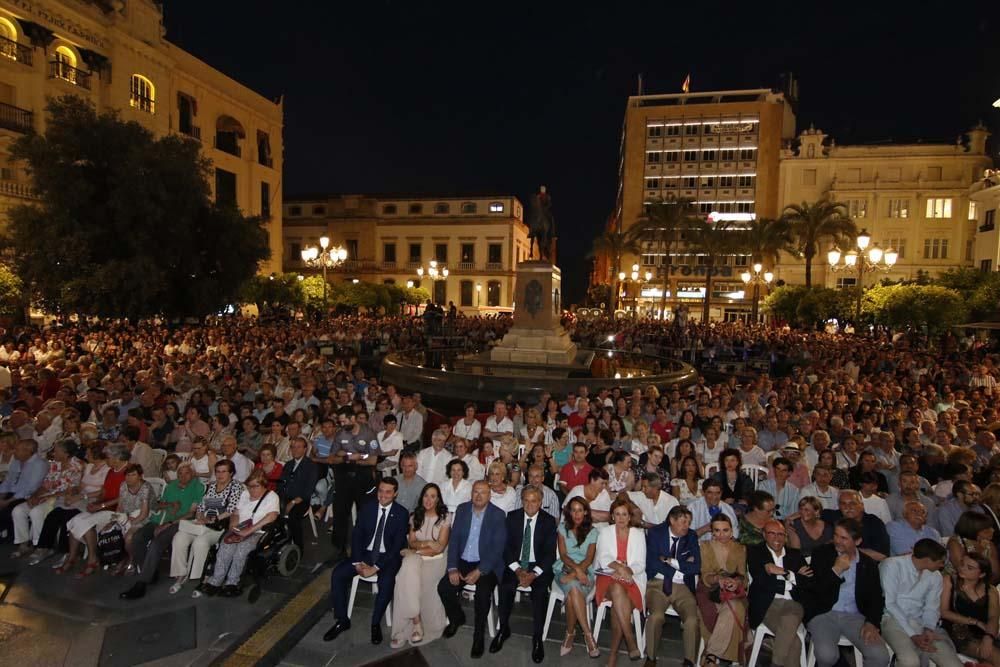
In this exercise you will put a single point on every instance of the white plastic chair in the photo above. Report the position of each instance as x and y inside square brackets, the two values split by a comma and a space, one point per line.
[159, 456]
[755, 473]
[640, 638]
[373, 580]
[711, 469]
[158, 484]
[556, 595]
[763, 631]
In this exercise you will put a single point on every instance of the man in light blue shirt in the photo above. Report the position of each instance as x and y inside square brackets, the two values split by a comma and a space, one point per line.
[25, 475]
[912, 586]
[704, 509]
[771, 438]
[907, 531]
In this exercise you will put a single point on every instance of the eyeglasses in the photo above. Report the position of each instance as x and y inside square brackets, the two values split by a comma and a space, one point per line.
[773, 533]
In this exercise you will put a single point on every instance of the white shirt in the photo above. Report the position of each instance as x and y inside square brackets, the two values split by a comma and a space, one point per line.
[453, 497]
[505, 500]
[516, 565]
[432, 465]
[673, 562]
[467, 431]
[476, 470]
[505, 426]
[269, 502]
[879, 507]
[653, 513]
[779, 560]
[383, 510]
[602, 503]
[243, 466]
[829, 498]
[411, 425]
[388, 442]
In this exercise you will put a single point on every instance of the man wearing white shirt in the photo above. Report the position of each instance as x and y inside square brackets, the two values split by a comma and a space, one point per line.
[243, 465]
[819, 443]
[536, 480]
[772, 597]
[432, 463]
[596, 488]
[821, 489]
[390, 443]
[476, 470]
[411, 425]
[654, 503]
[497, 424]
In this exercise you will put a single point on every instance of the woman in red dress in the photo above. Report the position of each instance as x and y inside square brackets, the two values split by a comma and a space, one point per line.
[621, 568]
[270, 466]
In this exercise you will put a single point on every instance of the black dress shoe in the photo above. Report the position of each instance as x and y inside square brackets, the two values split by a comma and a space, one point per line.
[498, 641]
[231, 592]
[134, 593]
[537, 652]
[336, 630]
[477, 646]
[208, 589]
[452, 627]
[376, 634]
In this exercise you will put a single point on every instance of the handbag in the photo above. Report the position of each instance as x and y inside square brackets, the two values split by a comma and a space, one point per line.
[231, 537]
[717, 595]
[111, 545]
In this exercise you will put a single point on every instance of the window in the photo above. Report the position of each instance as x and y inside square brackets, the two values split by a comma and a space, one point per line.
[705, 208]
[708, 181]
[747, 153]
[935, 248]
[319, 210]
[708, 156]
[897, 244]
[265, 200]
[496, 207]
[671, 156]
[655, 130]
[416, 209]
[986, 265]
[264, 149]
[808, 177]
[228, 132]
[690, 156]
[727, 154]
[465, 293]
[689, 181]
[726, 181]
[989, 220]
[493, 293]
[295, 251]
[857, 208]
[653, 157]
[691, 129]
[186, 110]
[468, 253]
[294, 211]
[741, 260]
[933, 173]
[389, 253]
[973, 210]
[441, 291]
[939, 207]
[442, 208]
[415, 253]
[441, 253]
[469, 207]
[652, 183]
[388, 281]
[745, 181]
[970, 249]
[494, 252]
[141, 94]
[389, 209]
[673, 130]
[899, 208]
[744, 207]
[845, 282]
[225, 187]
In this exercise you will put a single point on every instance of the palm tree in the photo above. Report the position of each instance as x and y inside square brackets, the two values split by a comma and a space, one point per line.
[713, 241]
[811, 223]
[616, 243]
[662, 226]
[766, 238]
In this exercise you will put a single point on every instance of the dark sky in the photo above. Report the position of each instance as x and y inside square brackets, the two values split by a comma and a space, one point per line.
[385, 96]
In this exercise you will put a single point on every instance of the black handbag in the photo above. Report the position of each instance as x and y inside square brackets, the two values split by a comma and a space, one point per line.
[111, 546]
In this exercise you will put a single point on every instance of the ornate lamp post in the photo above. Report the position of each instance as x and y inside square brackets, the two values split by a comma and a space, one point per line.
[433, 271]
[633, 277]
[327, 259]
[479, 290]
[863, 260]
[757, 278]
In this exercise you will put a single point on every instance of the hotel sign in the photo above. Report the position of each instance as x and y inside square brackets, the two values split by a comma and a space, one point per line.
[59, 22]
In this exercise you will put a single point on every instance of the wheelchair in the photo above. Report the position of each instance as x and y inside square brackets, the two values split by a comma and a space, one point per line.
[274, 553]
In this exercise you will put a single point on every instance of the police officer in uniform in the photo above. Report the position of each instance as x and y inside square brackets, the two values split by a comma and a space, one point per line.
[353, 455]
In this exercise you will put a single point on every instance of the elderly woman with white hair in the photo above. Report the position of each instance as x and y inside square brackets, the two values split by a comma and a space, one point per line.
[432, 462]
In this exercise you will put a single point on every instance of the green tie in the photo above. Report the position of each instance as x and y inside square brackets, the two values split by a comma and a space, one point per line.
[526, 546]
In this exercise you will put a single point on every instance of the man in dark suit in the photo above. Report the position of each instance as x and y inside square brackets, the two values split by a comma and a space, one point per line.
[875, 537]
[298, 479]
[529, 554]
[778, 574]
[475, 557]
[379, 536]
[673, 560]
[845, 599]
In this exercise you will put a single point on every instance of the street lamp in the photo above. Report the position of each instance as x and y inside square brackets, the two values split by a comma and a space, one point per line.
[479, 289]
[633, 277]
[757, 278]
[863, 260]
[433, 271]
[322, 257]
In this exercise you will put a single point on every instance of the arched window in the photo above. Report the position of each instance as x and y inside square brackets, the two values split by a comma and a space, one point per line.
[8, 39]
[493, 293]
[469, 207]
[442, 208]
[389, 209]
[64, 54]
[142, 94]
[64, 64]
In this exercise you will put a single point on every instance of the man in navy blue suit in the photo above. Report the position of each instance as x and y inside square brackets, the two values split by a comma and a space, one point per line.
[475, 557]
[529, 554]
[378, 537]
[673, 560]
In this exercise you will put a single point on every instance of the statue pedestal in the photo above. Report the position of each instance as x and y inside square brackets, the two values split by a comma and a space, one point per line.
[537, 337]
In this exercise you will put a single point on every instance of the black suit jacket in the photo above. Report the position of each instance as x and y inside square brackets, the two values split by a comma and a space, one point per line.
[298, 483]
[394, 536]
[764, 586]
[544, 539]
[824, 589]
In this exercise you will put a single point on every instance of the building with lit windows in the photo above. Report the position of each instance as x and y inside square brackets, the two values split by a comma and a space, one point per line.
[984, 198]
[722, 150]
[461, 249]
[114, 54]
[911, 198]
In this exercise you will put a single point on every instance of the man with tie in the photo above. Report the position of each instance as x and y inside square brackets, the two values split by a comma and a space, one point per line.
[475, 558]
[673, 560]
[298, 479]
[375, 545]
[530, 553]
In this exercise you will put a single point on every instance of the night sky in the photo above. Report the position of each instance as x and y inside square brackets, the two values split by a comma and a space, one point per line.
[499, 97]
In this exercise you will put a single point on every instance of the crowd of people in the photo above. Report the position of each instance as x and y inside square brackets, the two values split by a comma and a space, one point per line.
[854, 497]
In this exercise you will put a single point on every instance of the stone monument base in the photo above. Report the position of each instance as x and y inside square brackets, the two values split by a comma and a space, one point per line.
[536, 346]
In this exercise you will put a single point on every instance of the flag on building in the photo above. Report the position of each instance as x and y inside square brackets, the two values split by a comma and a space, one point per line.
[687, 84]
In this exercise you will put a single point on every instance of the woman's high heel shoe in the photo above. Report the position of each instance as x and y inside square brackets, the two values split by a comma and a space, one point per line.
[592, 649]
[567, 644]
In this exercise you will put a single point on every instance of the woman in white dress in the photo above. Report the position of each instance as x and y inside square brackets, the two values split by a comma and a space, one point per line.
[417, 613]
[458, 488]
[468, 427]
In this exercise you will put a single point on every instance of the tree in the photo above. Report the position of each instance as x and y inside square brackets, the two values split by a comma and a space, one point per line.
[900, 306]
[807, 306]
[616, 243]
[661, 227]
[712, 241]
[812, 223]
[125, 226]
[766, 238]
[283, 289]
[979, 289]
[11, 293]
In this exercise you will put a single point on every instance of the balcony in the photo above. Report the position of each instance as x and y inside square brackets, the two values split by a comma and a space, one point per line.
[494, 266]
[142, 103]
[388, 266]
[987, 227]
[228, 143]
[466, 266]
[15, 189]
[66, 72]
[192, 131]
[19, 52]
[15, 118]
